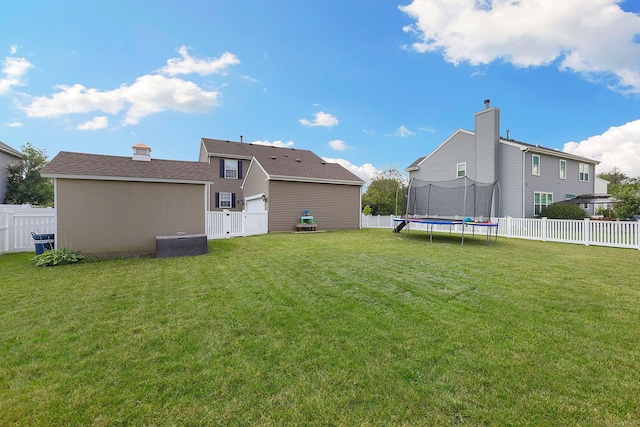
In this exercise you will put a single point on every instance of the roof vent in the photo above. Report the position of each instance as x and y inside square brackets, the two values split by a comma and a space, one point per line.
[486, 104]
[273, 157]
[141, 152]
[298, 160]
[323, 162]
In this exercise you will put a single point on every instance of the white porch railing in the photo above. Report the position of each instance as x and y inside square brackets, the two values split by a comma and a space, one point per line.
[619, 234]
[225, 224]
[18, 222]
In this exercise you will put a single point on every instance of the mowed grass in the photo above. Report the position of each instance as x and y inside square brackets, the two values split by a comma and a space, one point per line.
[333, 328]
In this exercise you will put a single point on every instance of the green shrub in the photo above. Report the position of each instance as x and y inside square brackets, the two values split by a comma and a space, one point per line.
[563, 211]
[58, 257]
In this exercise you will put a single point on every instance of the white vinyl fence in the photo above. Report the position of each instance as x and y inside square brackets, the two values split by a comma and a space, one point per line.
[18, 222]
[618, 234]
[222, 225]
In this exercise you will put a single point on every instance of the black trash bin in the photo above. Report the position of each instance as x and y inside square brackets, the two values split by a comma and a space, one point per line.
[44, 242]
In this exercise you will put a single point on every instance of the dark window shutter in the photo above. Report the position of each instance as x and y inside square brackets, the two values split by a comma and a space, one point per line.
[217, 200]
[233, 200]
[239, 169]
[221, 168]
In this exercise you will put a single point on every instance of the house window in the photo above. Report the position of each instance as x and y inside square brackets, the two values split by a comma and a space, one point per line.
[461, 170]
[225, 200]
[231, 169]
[535, 164]
[540, 201]
[563, 169]
[584, 172]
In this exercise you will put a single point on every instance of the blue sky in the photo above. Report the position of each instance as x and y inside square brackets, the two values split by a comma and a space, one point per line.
[369, 84]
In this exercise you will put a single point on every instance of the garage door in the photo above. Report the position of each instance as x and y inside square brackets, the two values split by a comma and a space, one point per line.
[255, 205]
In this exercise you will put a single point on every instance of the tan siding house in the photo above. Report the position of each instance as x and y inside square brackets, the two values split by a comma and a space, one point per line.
[333, 206]
[116, 216]
[290, 180]
[111, 204]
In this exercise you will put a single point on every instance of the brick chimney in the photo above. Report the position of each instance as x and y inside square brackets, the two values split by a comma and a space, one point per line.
[141, 152]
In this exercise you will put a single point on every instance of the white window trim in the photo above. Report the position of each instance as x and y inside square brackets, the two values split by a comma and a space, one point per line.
[533, 165]
[221, 201]
[228, 169]
[548, 195]
[464, 165]
[562, 173]
[582, 174]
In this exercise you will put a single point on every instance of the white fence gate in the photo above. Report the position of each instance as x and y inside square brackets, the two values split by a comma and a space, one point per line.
[225, 224]
[18, 222]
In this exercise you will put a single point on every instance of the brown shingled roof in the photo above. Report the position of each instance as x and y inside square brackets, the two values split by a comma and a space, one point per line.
[90, 166]
[283, 163]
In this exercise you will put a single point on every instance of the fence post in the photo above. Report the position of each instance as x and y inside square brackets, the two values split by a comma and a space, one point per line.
[11, 223]
[585, 231]
[637, 225]
[544, 228]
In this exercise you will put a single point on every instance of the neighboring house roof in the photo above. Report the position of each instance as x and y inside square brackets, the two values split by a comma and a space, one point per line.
[414, 166]
[280, 163]
[118, 168]
[6, 149]
[535, 148]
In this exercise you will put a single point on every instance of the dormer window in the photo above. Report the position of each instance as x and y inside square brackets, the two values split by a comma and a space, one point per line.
[461, 170]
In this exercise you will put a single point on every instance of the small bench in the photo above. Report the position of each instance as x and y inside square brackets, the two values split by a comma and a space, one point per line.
[306, 227]
[181, 245]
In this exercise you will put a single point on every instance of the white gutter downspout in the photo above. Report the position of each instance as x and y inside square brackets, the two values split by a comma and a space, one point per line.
[360, 210]
[524, 156]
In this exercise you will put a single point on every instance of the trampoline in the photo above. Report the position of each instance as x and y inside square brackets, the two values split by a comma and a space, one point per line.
[491, 228]
[457, 203]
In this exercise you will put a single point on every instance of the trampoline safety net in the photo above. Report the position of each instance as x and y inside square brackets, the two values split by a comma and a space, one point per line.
[461, 197]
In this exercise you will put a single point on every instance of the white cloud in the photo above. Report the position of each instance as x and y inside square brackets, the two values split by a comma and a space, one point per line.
[618, 147]
[322, 119]
[249, 79]
[338, 145]
[366, 171]
[76, 99]
[15, 124]
[149, 94]
[98, 122]
[13, 71]
[13, 49]
[187, 64]
[593, 38]
[281, 144]
[404, 132]
[427, 129]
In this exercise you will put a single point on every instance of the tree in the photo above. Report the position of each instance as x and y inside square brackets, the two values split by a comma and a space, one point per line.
[386, 192]
[614, 176]
[627, 195]
[24, 184]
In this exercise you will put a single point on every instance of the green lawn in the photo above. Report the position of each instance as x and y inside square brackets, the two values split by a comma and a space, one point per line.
[334, 328]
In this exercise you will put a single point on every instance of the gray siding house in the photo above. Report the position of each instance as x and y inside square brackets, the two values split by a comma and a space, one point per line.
[529, 176]
[7, 156]
[284, 182]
